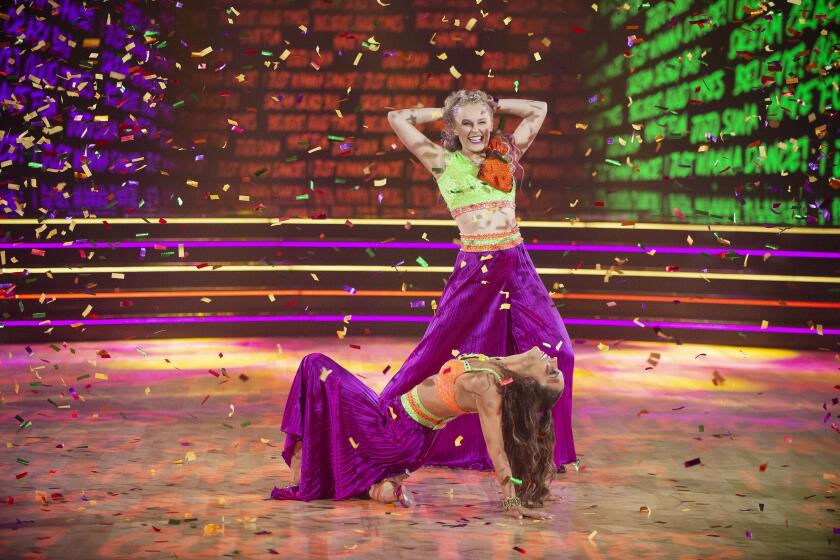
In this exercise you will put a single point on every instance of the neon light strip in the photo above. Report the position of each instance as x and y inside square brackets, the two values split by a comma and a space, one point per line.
[712, 251]
[442, 269]
[448, 222]
[420, 293]
[399, 319]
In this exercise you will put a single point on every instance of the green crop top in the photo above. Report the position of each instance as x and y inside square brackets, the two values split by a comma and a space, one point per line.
[461, 188]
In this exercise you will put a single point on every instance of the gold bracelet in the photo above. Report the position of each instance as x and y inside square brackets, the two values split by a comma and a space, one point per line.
[511, 502]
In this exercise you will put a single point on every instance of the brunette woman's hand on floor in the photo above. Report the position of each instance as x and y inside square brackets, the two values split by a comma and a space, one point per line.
[522, 512]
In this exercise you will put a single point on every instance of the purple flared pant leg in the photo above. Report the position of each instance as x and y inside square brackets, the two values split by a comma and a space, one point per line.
[471, 317]
[350, 437]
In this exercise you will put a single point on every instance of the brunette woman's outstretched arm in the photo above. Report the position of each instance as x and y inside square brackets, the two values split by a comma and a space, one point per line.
[405, 121]
[489, 404]
[532, 114]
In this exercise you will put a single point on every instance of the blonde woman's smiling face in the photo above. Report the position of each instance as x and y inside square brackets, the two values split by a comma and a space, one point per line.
[473, 125]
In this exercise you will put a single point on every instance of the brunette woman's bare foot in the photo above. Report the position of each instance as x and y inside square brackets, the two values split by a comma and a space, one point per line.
[383, 492]
[295, 466]
[391, 490]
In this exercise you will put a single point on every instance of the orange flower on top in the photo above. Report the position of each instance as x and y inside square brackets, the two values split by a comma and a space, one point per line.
[495, 170]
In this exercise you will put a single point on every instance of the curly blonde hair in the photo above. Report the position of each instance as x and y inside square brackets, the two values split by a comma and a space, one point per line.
[455, 100]
[450, 140]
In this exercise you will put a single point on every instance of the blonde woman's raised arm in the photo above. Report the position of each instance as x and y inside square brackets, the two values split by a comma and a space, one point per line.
[405, 121]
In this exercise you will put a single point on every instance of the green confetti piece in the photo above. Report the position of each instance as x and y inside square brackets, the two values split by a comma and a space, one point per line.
[266, 53]
[259, 172]
[335, 138]
[174, 522]
[161, 45]
[25, 425]
[340, 181]
[178, 103]
[22, 461]
[304, 196]
[39, 315]
[167, 253]
[613, 162]
[370, 252]
[35, 164]
[144, 234]
[141, 352]
[245, 424]
[290, 159]
[55, 347]
[80, 377]
[422, 262]
[771, 246]
[516, 86]
[228, 426]
[36, 384]
[516, 481]
[702, 428]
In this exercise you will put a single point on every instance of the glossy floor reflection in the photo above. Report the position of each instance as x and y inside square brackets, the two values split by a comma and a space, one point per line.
[169, 449]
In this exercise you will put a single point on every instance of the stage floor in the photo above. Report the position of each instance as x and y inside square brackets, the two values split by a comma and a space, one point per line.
[169, 448]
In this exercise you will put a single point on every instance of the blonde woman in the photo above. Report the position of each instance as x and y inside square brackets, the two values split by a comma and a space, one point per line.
[494, 301]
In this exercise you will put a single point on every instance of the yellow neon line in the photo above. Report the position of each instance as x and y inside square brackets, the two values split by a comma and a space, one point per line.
[419, 222]
[443, 269]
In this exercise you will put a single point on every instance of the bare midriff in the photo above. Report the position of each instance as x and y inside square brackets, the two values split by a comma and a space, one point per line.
[486, 221]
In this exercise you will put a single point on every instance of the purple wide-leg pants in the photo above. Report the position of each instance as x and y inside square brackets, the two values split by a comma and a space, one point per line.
[494, 303]
[350, 437]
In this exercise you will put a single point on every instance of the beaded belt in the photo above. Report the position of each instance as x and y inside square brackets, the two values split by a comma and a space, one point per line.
[483, 206]
[491, 241]
[419, 413]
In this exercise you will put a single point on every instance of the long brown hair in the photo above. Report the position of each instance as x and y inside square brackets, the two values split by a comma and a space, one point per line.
[528, 433]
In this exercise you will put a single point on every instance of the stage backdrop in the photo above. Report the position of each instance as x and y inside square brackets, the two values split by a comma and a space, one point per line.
[715, 112]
